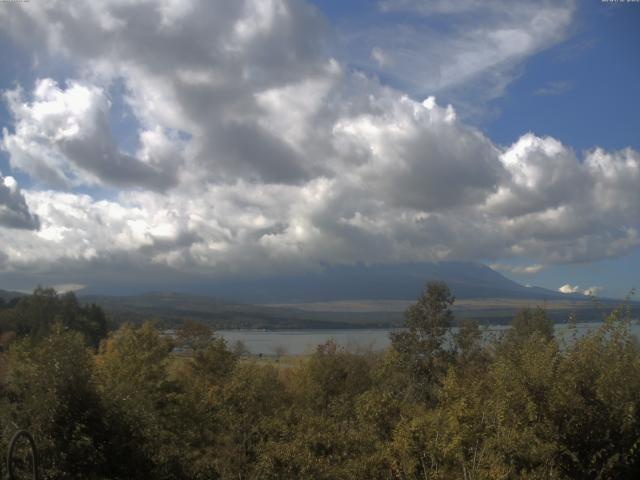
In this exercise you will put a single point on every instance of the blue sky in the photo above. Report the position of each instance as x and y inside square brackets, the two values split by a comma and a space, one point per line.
[583, 90]
[270, 137]
[597, 68]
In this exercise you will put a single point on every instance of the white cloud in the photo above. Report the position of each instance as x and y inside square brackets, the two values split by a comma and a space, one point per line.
[259, 153]
[412, 154]
[593, 291]
[568, 288]
[63, 138]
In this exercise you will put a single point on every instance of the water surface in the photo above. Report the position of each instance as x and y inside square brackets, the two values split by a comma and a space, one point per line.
[301, 342]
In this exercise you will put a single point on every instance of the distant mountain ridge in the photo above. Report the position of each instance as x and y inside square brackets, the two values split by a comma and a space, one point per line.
[392, 282]
[8, 294]
[283, 302]
[467, 280]
[342, 297]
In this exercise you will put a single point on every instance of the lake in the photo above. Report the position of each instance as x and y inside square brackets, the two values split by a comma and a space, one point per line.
[301, 342]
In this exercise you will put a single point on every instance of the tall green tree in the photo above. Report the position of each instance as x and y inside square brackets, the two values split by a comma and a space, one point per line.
[422, 349]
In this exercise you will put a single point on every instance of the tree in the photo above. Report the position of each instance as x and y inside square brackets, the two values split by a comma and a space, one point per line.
[421, 346]
[595, 403]
[321, 436]
[135, 385]
[529, 322]
[51, 392]
[34, 316]
[214, 363]
[194, 335]
[251, 404]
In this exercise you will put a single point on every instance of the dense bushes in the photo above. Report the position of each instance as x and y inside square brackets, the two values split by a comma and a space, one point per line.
[433, 405]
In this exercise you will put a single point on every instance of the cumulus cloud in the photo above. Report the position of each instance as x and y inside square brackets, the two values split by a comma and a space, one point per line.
[589, 292]
[14, 211]
[416, 152]
[63, 138]
[543, 175]
[257, 152]
[197, 72]
[568, 288]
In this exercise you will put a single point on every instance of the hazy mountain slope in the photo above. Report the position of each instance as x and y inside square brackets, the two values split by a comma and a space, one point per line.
[392, 282]
[370, 295]
[340, 297]
[8, 294]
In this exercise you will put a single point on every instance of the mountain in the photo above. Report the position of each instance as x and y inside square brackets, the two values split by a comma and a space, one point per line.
[341, 297]
[8, 294]
[347, 297]
[393, 282]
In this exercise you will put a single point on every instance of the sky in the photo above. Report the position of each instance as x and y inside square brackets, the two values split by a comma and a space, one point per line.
[154, 143]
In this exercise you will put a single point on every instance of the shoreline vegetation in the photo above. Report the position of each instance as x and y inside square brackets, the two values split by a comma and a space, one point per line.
[106, 401]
